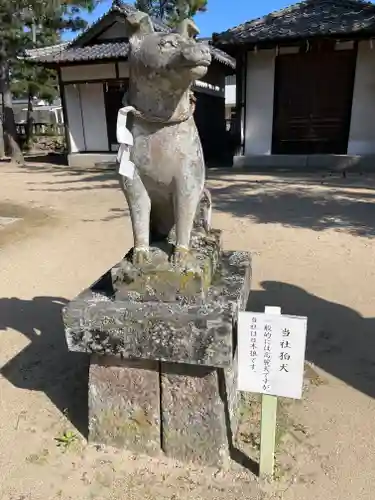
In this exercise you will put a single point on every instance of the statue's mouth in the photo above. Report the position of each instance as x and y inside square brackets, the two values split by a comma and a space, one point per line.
[204, 62]
[200, 63]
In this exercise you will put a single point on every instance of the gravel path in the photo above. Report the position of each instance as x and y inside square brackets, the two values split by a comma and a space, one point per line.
[312, 242]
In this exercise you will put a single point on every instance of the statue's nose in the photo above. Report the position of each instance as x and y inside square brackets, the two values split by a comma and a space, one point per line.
[197, 52]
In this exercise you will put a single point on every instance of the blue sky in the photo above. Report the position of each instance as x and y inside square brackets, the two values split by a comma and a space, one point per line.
[221, 14]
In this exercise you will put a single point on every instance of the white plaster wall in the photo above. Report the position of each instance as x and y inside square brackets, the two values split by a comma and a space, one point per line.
[362, 127]
[259, 102]
[94, 118]
[74, 118]
[86, 72]
[230, 95]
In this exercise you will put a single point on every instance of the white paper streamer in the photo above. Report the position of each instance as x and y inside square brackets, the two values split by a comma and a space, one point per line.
[125, 140]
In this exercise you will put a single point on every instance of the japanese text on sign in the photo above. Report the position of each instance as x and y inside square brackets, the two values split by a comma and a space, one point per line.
[271, 353]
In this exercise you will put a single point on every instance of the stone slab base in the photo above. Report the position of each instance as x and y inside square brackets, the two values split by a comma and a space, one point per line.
[183, 331]
[194, 414]
[124, 404]
[163, 375]
[186, 411]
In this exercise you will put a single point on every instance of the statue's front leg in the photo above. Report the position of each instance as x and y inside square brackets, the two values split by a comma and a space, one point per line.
[186, 204]
[140, 206]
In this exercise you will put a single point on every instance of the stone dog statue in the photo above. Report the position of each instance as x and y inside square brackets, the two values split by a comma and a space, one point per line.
[168, 181]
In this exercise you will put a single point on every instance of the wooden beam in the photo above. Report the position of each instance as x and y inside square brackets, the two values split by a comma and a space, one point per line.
[65, 112]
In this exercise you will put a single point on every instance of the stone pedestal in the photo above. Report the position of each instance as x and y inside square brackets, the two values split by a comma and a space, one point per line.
[163, 371]
[124, 403]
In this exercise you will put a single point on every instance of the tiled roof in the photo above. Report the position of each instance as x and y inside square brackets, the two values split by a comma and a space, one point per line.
[43, 52]
[218, 54]
[80, 49]
[65, 53]
[119, 8]
[306, 19]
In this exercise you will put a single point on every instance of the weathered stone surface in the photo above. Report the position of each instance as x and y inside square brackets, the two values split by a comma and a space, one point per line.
[230, 393]
[160, 280]
[168, 181]
[194, 421]
[186, 404]
[124, 403]
[184, 331]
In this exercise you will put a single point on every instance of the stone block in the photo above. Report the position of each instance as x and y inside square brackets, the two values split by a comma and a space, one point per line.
[230, 393]
[163, 374]
[124, 404]
[194, 420]
[183, 331]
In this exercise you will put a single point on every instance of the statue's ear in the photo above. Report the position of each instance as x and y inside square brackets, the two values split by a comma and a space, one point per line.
[140, 23]
[187, 28]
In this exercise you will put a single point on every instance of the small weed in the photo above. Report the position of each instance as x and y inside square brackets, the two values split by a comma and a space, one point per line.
[66, 440]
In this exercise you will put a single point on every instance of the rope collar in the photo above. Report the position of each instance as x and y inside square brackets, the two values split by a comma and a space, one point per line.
[171, 121]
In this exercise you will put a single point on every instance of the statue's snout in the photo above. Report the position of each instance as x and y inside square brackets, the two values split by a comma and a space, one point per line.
[197, 54]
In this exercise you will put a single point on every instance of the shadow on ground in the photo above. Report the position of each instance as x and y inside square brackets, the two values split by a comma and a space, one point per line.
[313, 201]
[339, 340]
[70, 180]
[67, 178]
[46, 364]
[316, 201]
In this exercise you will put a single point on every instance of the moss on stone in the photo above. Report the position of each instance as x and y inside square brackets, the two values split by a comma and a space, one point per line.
[165, 281]
[122, 430]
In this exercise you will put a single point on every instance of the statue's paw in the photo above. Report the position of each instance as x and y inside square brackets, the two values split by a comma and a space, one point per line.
[180, 256]
[141, 256]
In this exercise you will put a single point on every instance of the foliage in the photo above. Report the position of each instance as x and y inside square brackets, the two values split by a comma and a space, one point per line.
[188, 8]
[17, 17]
[172, 11]
[32, 80]
[66, 439]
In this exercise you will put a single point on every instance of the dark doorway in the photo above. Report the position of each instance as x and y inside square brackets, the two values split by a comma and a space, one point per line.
[113, 95]
[210, 120]
[313, 100]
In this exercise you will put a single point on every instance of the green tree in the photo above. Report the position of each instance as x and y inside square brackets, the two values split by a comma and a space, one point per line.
[185, 9]
[172, 11]
[18, 18]
[30, 80]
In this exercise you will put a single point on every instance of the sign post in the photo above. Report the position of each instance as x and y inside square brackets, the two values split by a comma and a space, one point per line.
[271, 356]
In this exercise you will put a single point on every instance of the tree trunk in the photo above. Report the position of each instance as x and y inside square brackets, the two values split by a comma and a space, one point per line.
[29, 118]
[10, 131]
[2, 146]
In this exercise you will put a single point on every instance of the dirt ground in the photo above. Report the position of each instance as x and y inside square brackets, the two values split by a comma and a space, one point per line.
[312, 241]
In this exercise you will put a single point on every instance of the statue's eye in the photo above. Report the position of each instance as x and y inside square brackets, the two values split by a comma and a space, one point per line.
[167, 43]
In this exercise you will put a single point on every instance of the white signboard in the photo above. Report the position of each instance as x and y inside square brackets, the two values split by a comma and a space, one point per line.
[271, 353]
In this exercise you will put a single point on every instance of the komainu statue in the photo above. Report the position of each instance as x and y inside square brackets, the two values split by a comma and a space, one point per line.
[165, 184]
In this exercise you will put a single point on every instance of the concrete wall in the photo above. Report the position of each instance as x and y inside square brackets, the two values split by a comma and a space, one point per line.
[86, 120]
[259, 102]
[362, 128]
